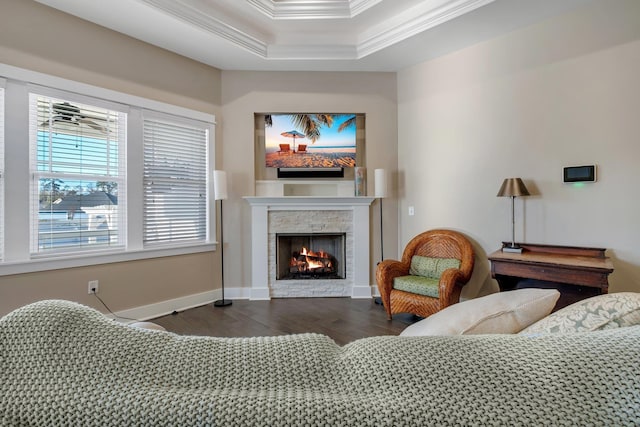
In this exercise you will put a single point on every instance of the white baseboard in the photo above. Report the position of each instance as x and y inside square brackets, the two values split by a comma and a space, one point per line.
[260, 294]
[163, 308]
[361, 292]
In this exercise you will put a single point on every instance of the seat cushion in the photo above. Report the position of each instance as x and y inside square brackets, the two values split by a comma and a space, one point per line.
[431, 267]
[417, 285]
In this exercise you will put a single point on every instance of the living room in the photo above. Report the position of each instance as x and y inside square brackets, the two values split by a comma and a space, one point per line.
[554, 87]
[560, 92]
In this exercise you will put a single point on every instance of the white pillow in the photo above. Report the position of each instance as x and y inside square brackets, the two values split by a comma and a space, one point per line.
[605, 311]
[500, 313]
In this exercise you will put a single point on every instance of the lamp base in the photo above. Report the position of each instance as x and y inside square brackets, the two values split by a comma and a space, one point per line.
[222, 303]
[512, 249]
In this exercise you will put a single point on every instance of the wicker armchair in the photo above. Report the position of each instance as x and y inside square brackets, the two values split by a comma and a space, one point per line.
[438, 244]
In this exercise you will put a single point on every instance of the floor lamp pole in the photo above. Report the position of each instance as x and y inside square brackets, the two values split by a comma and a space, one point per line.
[381, 233]
[378, 300]
[222, 302]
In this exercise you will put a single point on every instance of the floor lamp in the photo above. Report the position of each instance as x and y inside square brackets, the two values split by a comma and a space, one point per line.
[220, 193]
[380, 193]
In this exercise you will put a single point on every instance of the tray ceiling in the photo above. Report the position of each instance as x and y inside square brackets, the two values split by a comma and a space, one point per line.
[313, 35]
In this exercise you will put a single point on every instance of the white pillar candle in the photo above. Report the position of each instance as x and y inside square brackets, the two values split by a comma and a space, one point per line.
[380, 183]
[219, 185]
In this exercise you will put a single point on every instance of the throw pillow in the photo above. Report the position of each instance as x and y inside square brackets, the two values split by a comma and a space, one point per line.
[605, 311]
[431, 267]
[500, 313]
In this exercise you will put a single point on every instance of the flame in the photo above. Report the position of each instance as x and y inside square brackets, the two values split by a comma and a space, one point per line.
[320, 254]
[314, 264]
[310, 260]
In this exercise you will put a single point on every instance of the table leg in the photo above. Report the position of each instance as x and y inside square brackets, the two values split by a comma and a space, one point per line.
[507, 283]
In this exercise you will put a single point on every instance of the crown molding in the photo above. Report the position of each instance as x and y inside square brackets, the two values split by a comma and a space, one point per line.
[325, 52]
[401, 27]
[359, 6]
[186, 13]
[312, 9]
[380, 38]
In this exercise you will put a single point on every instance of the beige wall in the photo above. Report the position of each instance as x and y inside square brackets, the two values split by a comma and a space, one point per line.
[38, 38]
[561, 93]
[246, 93]
[122, 285]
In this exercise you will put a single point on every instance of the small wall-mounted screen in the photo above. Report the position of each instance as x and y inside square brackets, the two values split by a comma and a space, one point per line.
[580, 173]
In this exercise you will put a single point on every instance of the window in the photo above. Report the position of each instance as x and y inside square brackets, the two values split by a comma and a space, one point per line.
[78, 170]
[97, 176]
[175, 181]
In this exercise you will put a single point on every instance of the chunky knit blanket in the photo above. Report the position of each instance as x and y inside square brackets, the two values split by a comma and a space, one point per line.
[63, 364]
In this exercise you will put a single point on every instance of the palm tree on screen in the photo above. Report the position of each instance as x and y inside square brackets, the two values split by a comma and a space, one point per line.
[310, 124]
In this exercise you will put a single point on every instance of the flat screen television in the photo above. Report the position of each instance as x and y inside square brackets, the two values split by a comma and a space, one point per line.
[297, 144]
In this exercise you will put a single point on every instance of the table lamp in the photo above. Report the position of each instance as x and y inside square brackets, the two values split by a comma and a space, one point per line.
[513, 187]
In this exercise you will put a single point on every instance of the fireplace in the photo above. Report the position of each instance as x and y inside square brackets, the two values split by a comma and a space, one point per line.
[310, 256]
[344, 219]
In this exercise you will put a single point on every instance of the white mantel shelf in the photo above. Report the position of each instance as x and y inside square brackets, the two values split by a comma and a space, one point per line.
[358, 251]
[300, 201]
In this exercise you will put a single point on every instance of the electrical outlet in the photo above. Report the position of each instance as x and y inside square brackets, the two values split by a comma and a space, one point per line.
[412, 211]
[93, 286]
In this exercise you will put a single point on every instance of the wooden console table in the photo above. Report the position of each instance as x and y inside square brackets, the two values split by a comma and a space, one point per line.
[576, 272]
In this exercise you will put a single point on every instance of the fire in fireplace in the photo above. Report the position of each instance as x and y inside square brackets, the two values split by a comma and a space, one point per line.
[310, 256]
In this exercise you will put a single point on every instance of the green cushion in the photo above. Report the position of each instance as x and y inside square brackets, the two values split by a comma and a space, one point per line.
[431, 267]
[417, 285]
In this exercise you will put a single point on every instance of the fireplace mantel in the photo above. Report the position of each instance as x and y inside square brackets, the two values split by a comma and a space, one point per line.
[356, 209]
[314, 201]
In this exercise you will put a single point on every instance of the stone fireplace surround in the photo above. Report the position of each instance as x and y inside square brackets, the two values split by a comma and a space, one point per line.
[309, 214]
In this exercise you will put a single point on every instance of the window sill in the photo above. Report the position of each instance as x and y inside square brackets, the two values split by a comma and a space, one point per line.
[102, 257]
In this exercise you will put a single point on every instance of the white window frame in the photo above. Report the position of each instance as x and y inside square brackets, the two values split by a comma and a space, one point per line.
[121, 179]
[16, 178]
[3, 83]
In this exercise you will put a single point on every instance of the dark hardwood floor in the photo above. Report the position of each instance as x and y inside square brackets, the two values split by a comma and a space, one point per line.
[343, 319]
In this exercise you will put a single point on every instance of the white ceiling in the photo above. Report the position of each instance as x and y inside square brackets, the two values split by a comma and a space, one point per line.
[313, 35]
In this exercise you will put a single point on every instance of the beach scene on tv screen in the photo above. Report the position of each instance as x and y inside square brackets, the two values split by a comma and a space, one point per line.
[310, 140]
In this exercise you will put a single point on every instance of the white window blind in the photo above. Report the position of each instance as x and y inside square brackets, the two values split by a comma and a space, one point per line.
[175, 181]
[77, 161]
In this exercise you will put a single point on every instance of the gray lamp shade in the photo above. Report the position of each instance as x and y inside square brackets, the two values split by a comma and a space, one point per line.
[513, 187]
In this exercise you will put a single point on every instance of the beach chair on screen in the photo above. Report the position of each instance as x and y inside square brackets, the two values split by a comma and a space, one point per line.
[302, 148]
[285, 149]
